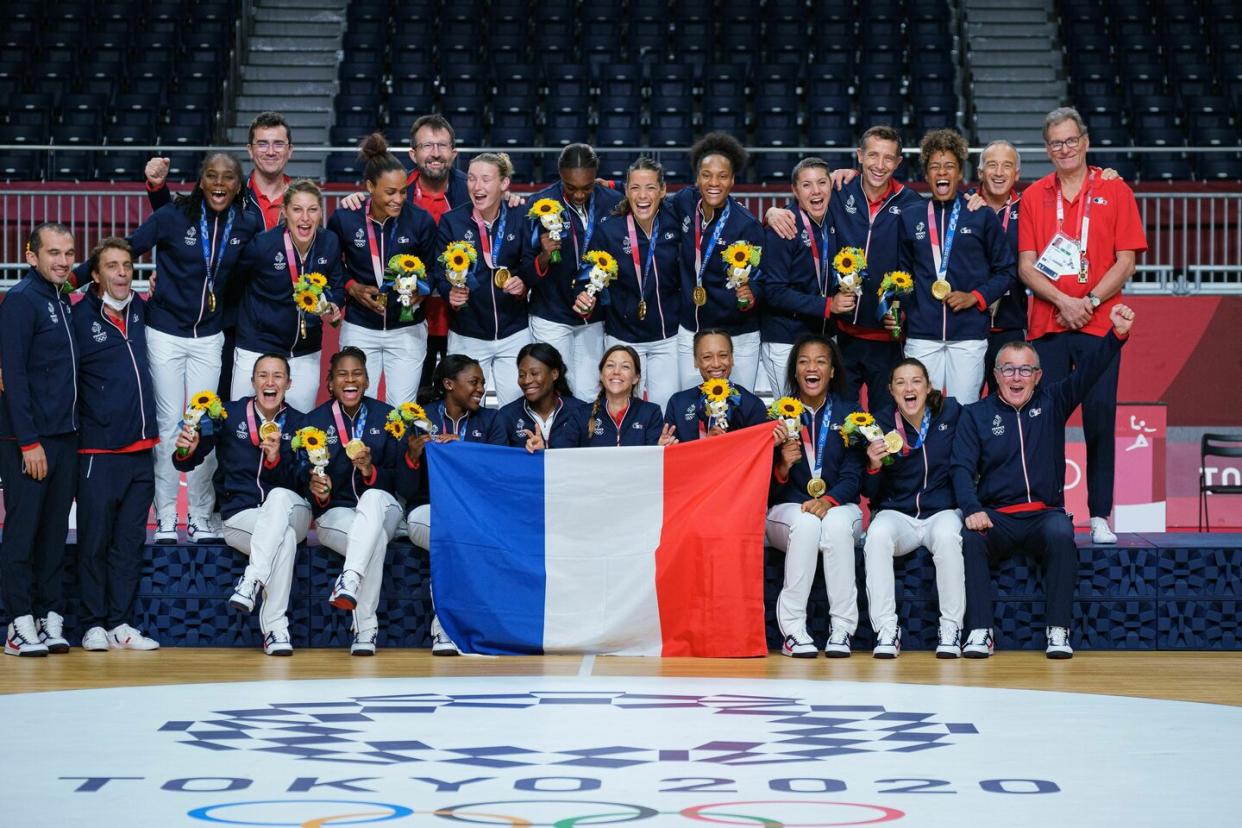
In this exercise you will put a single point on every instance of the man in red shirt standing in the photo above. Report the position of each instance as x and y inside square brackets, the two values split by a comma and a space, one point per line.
[1078, 239]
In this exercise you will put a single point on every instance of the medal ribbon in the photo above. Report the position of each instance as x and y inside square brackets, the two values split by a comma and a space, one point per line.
[700, 260]
[252, 424]
[942, 263]
[640, 273]
[923, 426]
[360, 423]
[210, 263]
[816, 459]
[491, 254]
[377, 265]
[819, 251]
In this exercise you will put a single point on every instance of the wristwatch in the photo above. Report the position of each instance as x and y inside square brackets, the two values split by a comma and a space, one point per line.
[1095, 300]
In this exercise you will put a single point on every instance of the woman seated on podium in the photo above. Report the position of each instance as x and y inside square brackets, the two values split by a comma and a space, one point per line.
[547, 415]
[618, 417]
[692, 415]
[264, 517]
[814, 500]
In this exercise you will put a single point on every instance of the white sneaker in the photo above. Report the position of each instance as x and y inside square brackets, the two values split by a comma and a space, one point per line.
[125, 637]
[979, 643]
[1100, 533]
[1058, 643]
[949, 645]
[887, 643]
[23, 638]
[52, 632]
[345, 593]
[200, 530]
[166, 532]
[245, 595]
[277, 643]
[442, 645]
[802, 646]
[364, 643]
[838, 645]
[95, 640]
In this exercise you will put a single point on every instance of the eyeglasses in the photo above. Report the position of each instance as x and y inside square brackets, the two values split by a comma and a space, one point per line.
[428, 146]
[1068, 143]
[1024, 371]
[264, 146]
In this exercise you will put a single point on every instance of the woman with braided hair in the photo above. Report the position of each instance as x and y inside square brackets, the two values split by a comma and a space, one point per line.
[618, 418]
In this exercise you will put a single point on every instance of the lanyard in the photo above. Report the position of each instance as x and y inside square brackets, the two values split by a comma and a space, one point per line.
[297, 263]
[458, 425]
[252, 423]
[360, 423]
[819, 251]
[1085, 210]
[491, 255]
[377, 266]
[817, 464]
[942, 264]
[923, 426]
[1005, 214]
[588, 231]
[210, 262]
[640, 273]
[700, 260]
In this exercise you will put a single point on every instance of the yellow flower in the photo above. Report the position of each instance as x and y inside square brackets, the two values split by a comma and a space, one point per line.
[601, 259]
[412, 411]
[860, 418]
[902, 280]
[716, 390]
[789, 407]
[737, 254]
[396, 428]
[458, 261]
[848, 261]
[317, 279]
[406, 263]
[202, 400]
[307, 301]
[545, 207]
[313, 439]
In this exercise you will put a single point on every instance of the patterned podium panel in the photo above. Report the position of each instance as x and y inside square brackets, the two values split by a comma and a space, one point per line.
[1148, 592]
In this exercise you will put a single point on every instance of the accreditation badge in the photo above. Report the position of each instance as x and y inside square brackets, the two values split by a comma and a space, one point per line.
[1060, 258]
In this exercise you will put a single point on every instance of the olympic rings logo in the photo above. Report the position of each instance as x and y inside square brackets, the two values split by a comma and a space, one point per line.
[350, 812]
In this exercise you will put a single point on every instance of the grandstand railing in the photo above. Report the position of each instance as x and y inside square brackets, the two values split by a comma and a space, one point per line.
[1194, 236]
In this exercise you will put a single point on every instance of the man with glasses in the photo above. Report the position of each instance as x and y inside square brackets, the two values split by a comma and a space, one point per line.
[1078, 238]
[1007, 472]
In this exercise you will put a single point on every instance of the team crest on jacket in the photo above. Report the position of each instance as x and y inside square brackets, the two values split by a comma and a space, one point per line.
[468, 235]
[191, 235]
[895, 210]
[279, 261]
[98, 333]
[360, 238]
[966, 231]
[403, 240]
[943, 427]
[998, 427]
[1034, 412]
[805, 238]
[691, 412]
[920, 230]
[625, 246]
[670, 235]
[332, 438]
[685, 225]
[242, 430]
[850, 206]
[598, 428]
[323, 260]
[51, 312]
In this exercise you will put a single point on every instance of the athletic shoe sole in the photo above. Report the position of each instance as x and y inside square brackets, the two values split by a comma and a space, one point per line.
[1059, 655]
[344, 602]
[947, 654]
[240, 606]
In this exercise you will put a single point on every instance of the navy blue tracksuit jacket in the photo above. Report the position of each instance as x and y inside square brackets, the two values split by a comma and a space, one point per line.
[797, 297]
[553, 292]
[917, 482]
[489, 313]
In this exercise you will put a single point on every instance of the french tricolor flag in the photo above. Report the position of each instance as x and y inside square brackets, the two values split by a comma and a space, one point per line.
[625, 551]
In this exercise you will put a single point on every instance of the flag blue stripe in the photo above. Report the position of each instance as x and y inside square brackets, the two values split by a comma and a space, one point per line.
[487, 546]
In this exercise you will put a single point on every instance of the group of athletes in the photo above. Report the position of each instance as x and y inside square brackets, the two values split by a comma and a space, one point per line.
[450, 269]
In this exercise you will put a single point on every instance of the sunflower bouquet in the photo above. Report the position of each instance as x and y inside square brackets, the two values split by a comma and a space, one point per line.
[405, 416]
[788, 409]
[457, 259]
[849, 264]
[314, 442]
[406, 276]
[860, 427]
[308, 295]
[740, 259]
[896, 284]
[203, 413]
[603, 271]
[551, 216]
[718, 397]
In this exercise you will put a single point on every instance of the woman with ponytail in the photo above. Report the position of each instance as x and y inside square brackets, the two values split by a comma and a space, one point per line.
[913, 505]
[618, 417]
[388, 225]
[199, 239]
[487, 302]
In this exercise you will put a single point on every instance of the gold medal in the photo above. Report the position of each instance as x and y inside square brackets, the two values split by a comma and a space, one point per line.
[302, 320]
[353, 448]
[893, 442]
[268, 429]
[941, 289]
[501, 277]
[642, 309]
[700, 295]
[816, 487]
[211, 302]
[381, 299]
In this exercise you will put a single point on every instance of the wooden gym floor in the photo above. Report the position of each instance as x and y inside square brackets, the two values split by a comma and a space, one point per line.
[1214, 677]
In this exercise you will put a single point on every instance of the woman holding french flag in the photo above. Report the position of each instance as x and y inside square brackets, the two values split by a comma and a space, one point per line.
[814, 511]
[618, 417]
[547, 415]
[717, 406]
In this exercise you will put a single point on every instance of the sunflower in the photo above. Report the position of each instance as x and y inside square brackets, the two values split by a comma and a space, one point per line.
[903, 281]
[737, 254]
[545, 207]
[716, 390]
[413, 412]
[405, 263]
[458, 261]
[858, 419]
[202, 400]
[309, 438]
[396, 428]
[317, 279]
[789, 407]
[845, 262]
[306, 301]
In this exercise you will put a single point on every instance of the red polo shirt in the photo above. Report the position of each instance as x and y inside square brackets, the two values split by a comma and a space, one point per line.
[271, 207]
[1115, 225]
[437, 204]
